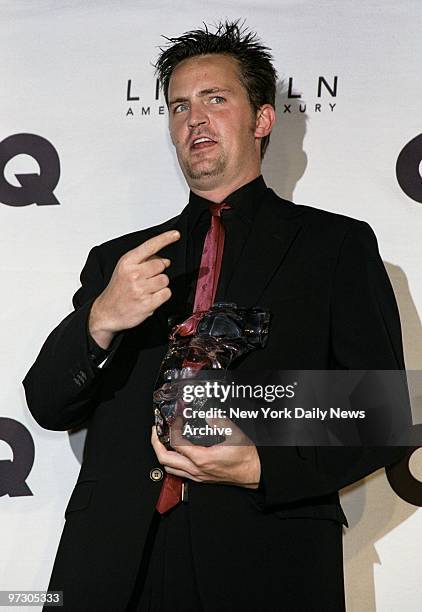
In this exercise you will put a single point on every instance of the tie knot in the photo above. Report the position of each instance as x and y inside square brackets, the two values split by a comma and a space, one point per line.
[215, 209]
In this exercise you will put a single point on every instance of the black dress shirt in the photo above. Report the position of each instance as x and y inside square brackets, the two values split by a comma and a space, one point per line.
[237, 222]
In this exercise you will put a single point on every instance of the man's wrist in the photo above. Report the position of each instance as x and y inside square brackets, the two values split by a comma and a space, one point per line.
[96, 353]
[101, 336]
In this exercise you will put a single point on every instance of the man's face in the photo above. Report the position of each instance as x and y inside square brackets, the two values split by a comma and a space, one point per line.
[212, 123]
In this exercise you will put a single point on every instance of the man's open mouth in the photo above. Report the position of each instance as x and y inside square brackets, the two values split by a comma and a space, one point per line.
[202, 142]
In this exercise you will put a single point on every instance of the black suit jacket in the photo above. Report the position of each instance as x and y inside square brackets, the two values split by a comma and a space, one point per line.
[332, 306]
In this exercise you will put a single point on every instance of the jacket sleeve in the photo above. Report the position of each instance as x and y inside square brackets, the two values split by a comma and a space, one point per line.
[365, 335]
[61, 386]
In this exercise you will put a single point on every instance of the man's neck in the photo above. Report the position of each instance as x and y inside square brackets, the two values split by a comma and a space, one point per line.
[221, 192]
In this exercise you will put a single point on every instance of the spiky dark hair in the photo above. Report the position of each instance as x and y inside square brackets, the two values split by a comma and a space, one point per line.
[257, 73]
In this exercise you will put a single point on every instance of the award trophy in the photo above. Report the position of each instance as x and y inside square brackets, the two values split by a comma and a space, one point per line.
[208, 340]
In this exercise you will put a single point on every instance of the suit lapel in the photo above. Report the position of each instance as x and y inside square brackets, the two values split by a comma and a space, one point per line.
[274, 229]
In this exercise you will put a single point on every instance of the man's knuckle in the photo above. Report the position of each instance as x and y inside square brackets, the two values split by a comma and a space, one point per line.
[163, 280]
[133, 277]
[163, 264]
[201, 462]
[123, 259]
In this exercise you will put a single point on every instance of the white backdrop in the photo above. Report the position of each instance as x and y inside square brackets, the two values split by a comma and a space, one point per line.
[64, 72]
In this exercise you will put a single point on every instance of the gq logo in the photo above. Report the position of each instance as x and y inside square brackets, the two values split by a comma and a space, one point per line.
[407, 169]
[13, 473]
[33, 188]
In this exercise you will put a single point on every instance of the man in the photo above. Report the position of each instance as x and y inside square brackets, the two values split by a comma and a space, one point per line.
[262, 526]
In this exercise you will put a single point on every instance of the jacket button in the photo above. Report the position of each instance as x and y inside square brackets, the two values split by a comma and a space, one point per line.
[156, 474]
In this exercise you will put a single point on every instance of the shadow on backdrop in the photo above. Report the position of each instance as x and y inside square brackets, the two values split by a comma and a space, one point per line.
[372, 507]
[285, 161]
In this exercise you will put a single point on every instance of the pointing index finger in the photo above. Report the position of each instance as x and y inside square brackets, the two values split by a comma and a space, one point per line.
[150, 247]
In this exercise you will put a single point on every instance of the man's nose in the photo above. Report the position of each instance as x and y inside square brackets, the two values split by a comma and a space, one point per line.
[197, 117]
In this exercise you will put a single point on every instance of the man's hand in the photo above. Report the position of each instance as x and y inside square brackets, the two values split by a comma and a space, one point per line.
[223, 463]
[136, 289]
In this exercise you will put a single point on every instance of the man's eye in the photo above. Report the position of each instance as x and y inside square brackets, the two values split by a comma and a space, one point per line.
[179, 108]
[217, 99]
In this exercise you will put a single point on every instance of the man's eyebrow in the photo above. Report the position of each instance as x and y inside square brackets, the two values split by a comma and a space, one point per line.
[203, 92]
[211, 90]
[178, 100]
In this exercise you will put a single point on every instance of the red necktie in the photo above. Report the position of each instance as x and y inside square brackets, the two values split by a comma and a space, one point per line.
[206, 288]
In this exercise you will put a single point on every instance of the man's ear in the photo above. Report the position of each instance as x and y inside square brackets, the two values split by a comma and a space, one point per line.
[265, 119]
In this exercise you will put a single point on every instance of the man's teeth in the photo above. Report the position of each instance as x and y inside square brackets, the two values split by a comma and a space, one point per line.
[198, 140]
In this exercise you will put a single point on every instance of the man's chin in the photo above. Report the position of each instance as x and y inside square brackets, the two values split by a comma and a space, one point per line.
[203, 172]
